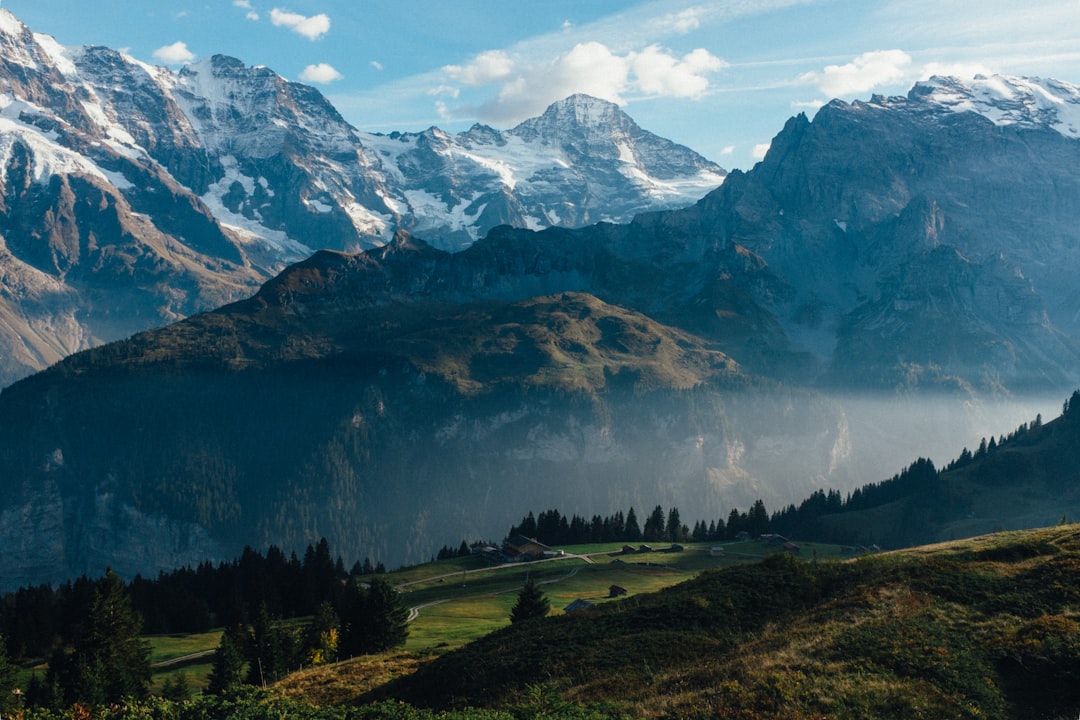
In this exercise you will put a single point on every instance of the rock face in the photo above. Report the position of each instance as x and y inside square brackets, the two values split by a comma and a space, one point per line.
[132, 196]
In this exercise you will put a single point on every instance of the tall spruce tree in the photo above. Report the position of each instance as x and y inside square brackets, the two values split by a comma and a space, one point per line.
[226, 673]
[375, 619]
[531, 603]
[105, 660]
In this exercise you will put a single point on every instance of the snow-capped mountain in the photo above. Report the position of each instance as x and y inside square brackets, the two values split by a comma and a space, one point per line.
[131, 195]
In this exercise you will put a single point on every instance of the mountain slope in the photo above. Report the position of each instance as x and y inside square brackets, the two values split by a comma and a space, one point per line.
[983, 627]
[385, 430]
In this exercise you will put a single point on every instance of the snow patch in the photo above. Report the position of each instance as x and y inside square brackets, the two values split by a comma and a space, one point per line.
[1008, 100]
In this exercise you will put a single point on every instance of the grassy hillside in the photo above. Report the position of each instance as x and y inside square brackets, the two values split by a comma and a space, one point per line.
[980, 628]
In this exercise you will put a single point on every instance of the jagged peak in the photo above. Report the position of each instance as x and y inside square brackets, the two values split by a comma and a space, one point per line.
[1006, 100]
[11, 25]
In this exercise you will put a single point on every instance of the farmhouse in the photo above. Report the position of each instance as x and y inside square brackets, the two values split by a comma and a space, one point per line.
[577, 606]
[616, 591]
[521, 548]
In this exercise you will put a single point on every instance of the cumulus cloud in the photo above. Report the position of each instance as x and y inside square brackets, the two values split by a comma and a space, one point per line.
[175, 54]
[485, 68]
[728, 150]
[760, 150]
[660, 73]
[242, 4]
[312, 27]
[376, 64]
[864, 73]
[322, 73]
[526, 88]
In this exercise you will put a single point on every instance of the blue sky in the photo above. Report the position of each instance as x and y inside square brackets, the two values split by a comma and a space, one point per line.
[721, 77]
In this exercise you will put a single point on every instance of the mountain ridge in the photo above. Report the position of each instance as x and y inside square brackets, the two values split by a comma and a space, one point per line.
[219, 175]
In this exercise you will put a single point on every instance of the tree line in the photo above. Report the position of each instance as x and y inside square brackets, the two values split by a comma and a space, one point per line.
[553, 528]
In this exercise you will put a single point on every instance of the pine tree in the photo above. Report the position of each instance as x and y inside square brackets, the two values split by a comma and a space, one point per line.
[226, 673]
[9, 699]
[106, 660]
[531, 603]
[633, 530]
[375, 619]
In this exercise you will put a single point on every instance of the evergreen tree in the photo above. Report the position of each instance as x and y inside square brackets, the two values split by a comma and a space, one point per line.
[531, 603]
[176, 688]
[271, 649]
[633, 530]
[105, 660]
[375, 619]
[675, 530]
[322, 640]
[654, 525]
[9, 700]
[226, 673]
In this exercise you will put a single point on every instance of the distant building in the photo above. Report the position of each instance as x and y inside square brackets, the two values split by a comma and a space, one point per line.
[616, 591]
[577, 606]
[523, 548]
[716, 551]
[790, 547]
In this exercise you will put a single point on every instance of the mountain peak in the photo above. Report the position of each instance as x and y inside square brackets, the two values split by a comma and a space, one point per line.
[11, 25]
[1006, 100]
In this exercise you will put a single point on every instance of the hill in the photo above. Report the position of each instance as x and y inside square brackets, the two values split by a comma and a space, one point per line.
[978, 628]
[1027, 478]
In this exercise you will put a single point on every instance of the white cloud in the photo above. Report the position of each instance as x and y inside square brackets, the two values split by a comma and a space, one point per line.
[864, 73]
[485, 68]
[760, 151]
[376, 64]
[681, 22]
[662, 74]
[526, 88]
[312, 27]
[252, 16]
[321, 73]
[728, 150]
[242, 4]
[175, 54]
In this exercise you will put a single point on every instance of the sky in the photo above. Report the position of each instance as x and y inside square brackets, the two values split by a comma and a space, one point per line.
[721, 77]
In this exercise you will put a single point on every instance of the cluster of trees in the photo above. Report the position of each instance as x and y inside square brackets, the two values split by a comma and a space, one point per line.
[89, 630]
[369, 618]
[189, 599]
[553, 528]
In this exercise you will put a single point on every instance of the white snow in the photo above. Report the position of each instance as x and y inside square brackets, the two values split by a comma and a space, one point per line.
[57, 53]
[1008, 100]
[47, 156]
[10, 24]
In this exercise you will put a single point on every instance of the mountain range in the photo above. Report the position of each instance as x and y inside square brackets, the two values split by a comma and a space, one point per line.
[132, 196]
[917, 251]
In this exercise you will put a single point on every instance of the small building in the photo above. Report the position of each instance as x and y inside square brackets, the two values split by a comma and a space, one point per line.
[616, 591]
[577, 606]
[676, 547]
[716, 551]
[523, 548]
[790, 547]
[644, 549]
[742, 536]
[628, 550]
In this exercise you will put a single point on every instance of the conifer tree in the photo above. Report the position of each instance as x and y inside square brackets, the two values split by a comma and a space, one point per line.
[106, 660]
[226, 673]
[531, 603]
[9, 700]
[632, 532]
